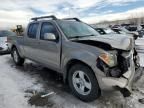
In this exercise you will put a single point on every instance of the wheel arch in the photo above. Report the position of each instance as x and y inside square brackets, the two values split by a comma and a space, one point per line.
[18, 49]
[72, 62]
[13, 46]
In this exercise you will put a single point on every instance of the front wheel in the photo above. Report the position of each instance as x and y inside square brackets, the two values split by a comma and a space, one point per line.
[16, 57]
[83, 83]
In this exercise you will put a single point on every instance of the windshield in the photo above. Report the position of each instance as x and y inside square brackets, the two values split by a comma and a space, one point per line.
[74, 29]
[6, 33]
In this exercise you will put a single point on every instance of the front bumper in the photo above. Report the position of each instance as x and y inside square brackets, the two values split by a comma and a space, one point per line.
[124, 81]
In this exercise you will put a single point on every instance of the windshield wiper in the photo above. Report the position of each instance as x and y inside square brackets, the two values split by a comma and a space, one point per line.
[81, 36]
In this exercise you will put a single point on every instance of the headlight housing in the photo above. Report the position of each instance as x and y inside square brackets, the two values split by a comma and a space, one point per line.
[109, 59]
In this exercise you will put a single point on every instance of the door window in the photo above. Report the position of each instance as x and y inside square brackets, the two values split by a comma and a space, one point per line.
[48, 28]
[32, 31]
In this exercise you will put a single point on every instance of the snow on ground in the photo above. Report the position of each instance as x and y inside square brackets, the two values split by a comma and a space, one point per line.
[12, 86]
[16, 81]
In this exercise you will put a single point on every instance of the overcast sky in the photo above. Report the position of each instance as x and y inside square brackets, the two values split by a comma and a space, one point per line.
[14, 12]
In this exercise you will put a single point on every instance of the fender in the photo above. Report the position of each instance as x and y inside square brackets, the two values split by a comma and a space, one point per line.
[84, 57]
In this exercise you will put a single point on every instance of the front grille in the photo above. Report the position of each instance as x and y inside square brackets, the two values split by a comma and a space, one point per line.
[117, 71]
[124, 63]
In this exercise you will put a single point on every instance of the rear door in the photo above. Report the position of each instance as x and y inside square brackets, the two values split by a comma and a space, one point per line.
[49, 51]
[31, 41]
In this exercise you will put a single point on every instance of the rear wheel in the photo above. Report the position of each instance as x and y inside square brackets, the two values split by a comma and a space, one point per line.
[83, 83]
[16, 57]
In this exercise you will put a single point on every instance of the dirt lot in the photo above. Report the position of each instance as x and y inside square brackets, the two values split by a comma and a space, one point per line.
[19, 84]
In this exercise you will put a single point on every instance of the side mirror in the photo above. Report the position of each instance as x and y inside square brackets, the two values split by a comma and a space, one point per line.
[49, 36]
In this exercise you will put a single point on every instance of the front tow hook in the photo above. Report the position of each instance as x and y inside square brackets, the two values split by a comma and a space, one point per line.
[125, 92]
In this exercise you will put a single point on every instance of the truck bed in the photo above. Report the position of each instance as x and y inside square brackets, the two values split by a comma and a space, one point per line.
[15, 40]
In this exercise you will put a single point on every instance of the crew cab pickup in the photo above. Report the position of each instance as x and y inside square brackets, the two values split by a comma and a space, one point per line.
[89, 62]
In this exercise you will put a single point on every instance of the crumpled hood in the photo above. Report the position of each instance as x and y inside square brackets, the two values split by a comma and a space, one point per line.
[116, 41]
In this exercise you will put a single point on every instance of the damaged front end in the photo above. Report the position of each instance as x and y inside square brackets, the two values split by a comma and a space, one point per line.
[119, 71]
[117, 62]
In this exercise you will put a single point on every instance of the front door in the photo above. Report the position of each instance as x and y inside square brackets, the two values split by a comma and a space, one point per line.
[49, 51]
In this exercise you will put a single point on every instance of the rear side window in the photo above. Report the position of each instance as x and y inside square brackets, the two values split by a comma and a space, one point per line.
[32, 31]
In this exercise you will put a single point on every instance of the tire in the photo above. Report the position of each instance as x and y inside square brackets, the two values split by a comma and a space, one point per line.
[92, 91]
[16, 57]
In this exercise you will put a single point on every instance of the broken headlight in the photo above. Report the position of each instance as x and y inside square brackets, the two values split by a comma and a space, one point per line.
[109, 59]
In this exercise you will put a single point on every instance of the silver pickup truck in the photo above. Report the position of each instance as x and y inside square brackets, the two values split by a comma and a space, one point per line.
[90, 63]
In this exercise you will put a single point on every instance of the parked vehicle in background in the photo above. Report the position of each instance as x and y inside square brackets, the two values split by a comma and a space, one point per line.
[131, 28]
[88, 61]
[142, 25]
[118, 31]
[108, 32]
[113, 31]
[129, 31]
[104, 31]
[4, 35]
[100, 31]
